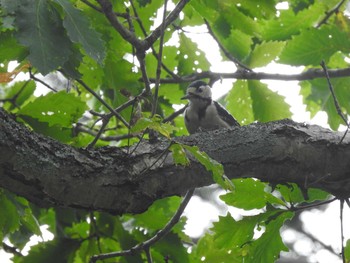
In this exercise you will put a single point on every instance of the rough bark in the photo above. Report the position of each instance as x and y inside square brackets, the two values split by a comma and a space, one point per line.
[49, 173]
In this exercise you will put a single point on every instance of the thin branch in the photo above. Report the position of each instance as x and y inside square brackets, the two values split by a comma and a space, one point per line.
[226, 52]
[32, 76]
[175, 114]
[9, 249]
[330, 13]
[168, 20]
[98, 135]
[245, 75]
[115, 113]
[129, 36]
[15, 97]
[148, 255]
[141, 58]
[304, 207]
[342, 230]
[159, 65]
[80, 128]
[154, 53]
[314, 239]
[159, 235]
[98, 9]
[336, 103]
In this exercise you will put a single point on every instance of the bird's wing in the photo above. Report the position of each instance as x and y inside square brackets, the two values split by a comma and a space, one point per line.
[225, 115]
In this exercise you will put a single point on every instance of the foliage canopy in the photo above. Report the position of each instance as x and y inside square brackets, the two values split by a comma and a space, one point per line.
[111, 64]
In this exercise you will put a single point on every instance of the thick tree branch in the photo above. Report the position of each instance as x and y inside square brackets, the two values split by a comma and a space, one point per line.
[49, 173]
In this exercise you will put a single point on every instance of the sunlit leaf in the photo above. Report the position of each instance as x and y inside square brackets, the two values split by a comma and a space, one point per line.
[314, 45]
[212, 166]
[179, 154]
[155, 124]
[250, 194]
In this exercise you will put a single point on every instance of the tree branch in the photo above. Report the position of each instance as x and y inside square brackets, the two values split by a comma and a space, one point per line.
[107, 9]
[251, 75]
[49, 173]
[168, 20]
[159, 235]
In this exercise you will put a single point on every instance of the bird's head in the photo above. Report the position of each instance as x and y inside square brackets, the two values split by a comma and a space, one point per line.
[198, 90]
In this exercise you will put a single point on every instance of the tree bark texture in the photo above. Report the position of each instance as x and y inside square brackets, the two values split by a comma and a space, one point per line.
[121, 180]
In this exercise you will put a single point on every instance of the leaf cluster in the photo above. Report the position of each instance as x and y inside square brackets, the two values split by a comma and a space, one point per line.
[83, 64]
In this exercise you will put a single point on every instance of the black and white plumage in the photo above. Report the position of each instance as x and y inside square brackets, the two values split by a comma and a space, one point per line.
[202, 112]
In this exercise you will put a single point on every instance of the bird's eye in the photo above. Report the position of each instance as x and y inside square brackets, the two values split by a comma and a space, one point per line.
[200, 90]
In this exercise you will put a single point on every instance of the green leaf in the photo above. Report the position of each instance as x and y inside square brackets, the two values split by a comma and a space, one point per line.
[27, 219]
[317, 97]
[40, 29]
[347, 251]
[190, 58]
[239, 103]
[268, 247]
[229, 233]
[252, 100]
[59, 108]
[155, 124]
[10, 221]
[238, 44]
[23, 90]
[171, 245]
[314, 45]
[158, 214]
[10, 48]
[250, 194]
[264, 53]
[293, 194]
[79, 30]
[56, 251]
[179, 154]
[266, 102]
[289, 23]
[212, 166]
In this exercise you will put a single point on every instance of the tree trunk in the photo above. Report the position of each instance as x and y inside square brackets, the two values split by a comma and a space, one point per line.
[49, 173]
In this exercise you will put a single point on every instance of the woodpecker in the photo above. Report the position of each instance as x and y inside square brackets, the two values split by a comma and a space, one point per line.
[203, 113]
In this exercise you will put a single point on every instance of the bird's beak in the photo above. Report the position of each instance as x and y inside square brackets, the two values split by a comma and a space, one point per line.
[186, 97]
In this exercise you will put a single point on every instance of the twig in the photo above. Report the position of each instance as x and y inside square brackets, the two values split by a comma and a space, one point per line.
[141, 58]
[115, 113]
[227, 54]
[336, 103]
[148, 243]
[154, 53]
[175, 114]
[148, 255]
[159, 65]
[168, 20]
[304, 207]
[129, 36]
[12, 250]
[98, 135]
[330, 13]
[15, 97]
[80, 128]
[100, 9]
[342, 230]
[31, 75]
[314, 239]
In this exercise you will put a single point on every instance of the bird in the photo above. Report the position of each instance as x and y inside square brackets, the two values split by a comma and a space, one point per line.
[203, 113]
